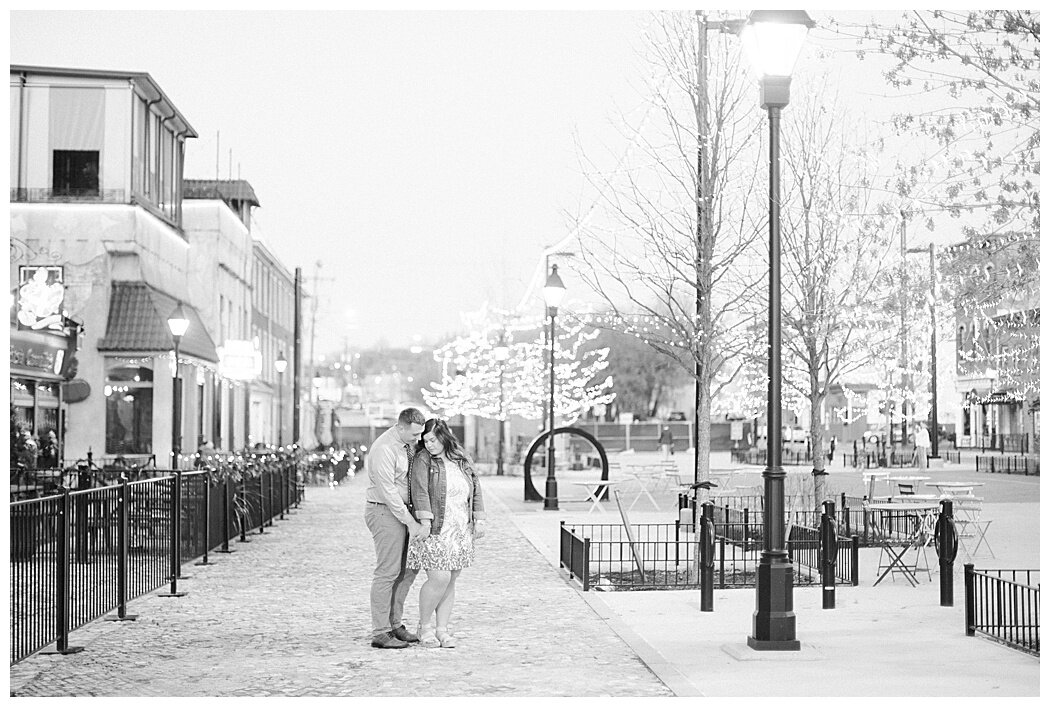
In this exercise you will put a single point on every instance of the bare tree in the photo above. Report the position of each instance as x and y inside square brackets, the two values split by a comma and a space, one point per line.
[980, 72]
[674, 220]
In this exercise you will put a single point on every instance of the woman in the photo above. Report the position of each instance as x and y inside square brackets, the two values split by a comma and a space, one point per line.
[446, 497]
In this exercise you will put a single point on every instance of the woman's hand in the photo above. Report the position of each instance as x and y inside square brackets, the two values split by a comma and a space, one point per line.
[479, 529]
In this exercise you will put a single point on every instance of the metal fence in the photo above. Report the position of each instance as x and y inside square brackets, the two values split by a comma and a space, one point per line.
[867, 459]
[803, 546]
[605, 557]
[1003, 605]
[78, 555]
[1029, 466]
[758, 457]
[850, 515]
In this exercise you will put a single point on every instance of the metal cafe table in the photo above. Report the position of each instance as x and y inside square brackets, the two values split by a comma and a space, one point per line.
[918, 519]
[593, 488]
[955, 488]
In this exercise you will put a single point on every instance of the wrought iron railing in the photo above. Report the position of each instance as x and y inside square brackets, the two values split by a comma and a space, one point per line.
[758, 457]
[1003, 605]
[78, 555]
[661, 556]
[1029, 466]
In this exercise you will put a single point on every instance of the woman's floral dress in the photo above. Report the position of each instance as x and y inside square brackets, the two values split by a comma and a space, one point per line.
[453, 547]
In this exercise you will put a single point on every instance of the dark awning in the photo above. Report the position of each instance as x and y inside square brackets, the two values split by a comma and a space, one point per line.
[138, 321]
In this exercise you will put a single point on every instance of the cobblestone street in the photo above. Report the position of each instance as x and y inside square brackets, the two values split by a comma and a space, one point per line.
[287, 615]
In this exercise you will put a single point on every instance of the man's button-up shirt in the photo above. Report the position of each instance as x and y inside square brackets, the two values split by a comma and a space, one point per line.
[387, 466]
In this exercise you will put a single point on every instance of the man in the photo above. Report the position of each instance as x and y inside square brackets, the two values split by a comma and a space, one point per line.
[922, 446]
[391, 524]
[667, 442]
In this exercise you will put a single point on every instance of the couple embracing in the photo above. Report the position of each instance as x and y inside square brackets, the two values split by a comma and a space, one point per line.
[424, 510]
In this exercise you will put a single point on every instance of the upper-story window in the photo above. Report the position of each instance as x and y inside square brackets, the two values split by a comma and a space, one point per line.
[75, 137]
[74, 173]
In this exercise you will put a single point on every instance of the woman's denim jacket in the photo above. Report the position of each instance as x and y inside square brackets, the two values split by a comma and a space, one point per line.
[426, 490]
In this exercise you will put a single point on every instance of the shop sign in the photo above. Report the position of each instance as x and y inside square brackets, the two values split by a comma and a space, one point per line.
[40, 297]
[239, 360]
[37, 356]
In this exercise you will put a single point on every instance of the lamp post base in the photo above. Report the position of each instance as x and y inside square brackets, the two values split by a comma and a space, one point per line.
[550, 500]
[773, 623]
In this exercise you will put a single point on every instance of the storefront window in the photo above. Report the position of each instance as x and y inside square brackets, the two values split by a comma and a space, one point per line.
[129, 409]
[22, 403]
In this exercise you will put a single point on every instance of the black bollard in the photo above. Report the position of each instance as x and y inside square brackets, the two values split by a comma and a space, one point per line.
[707, 558]
[828, 554]
[946, 542]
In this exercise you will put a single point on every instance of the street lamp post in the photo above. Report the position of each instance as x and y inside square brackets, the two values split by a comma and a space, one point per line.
[546, 268]
[501, 353]
[177, 325]
[773, 40]
[281, 364]
[553, 292]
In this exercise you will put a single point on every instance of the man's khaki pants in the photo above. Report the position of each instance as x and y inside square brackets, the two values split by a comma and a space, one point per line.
[392, 580]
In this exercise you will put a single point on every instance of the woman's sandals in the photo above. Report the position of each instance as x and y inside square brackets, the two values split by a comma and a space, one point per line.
[446, 639]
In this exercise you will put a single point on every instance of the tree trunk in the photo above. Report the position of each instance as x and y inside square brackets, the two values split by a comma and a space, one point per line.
[816, 438]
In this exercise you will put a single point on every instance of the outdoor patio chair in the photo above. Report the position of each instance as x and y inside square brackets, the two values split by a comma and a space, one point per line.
[971, 529]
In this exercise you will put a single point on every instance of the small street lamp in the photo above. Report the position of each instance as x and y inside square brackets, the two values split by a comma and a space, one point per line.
[553, 291]
[281, 364]
[773, 40]
[178, 323]
[501, 353]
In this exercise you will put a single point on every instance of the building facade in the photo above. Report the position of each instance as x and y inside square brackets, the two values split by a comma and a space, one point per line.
[997, 329]
[217, 224]
[96, 182]
[272, 331]
[104, 248]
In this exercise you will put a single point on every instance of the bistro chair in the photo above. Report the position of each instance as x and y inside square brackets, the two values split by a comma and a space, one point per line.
[972, 530]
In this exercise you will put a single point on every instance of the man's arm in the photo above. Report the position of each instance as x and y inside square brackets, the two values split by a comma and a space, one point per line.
[383, 477]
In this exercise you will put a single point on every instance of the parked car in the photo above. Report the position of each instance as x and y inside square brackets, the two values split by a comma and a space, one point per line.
[676, 416]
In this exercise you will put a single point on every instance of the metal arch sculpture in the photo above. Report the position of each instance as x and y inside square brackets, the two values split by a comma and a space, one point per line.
[531, 494]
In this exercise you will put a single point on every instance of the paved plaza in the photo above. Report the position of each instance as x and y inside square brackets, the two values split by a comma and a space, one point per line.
[287, 615]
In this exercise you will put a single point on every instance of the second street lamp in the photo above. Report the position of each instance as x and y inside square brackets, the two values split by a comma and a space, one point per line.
[553, 291]
[177, 325]
[773, 40]
[281, 364]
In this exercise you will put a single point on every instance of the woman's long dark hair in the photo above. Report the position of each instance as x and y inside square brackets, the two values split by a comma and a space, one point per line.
[451, 446]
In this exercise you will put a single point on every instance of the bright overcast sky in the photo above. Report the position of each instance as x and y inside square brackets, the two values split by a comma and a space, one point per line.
[424, 158]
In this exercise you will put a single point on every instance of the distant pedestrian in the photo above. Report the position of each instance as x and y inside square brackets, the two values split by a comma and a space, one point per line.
[391, 523]
[446, 496]
[48, 458]
[667, 442]
[922, 446]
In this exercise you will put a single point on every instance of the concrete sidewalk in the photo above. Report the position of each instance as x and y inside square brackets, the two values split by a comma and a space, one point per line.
[892, 640]
[287, 615]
